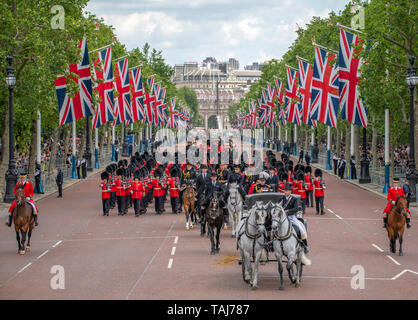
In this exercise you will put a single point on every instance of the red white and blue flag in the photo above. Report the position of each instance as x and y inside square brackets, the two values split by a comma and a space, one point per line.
[291, 97]
[103, 71]
[171, 120]
[325, 97]
[352, 108]
[123, 111]
[280, 91]
[79, 106]
[149, 101]
[137, 92]
[305, 86]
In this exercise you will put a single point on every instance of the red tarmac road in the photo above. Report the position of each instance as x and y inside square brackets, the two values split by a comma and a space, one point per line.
[154, 257]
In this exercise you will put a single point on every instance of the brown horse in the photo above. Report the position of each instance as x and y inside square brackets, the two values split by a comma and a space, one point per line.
[396, 223]
[189, 196]
[23, 220]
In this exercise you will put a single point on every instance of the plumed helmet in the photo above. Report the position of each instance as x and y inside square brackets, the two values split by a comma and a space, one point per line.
[263, 175]
[104, 175]
[318, 172]
[308, 169]
[290, 163]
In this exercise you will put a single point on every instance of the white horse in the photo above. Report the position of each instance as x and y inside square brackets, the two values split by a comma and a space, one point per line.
[286, 243]
[250, 240]
[234, 207]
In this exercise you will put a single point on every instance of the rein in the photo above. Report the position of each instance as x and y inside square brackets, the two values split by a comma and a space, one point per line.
[288, 233]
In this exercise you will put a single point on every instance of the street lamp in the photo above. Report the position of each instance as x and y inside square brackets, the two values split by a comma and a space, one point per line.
[11, 173]
[411, 173]
[364, 162]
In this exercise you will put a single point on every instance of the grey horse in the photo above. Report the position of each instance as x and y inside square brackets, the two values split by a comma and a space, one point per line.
[286, 243]
[234, 207]
[250, 240]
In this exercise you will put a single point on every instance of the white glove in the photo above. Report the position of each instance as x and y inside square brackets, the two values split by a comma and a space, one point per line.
[28, 198]
[393, 202]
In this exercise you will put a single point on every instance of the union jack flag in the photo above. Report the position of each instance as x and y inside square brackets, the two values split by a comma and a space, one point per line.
[171, 120]
[253, 115]
[103, 70]
[291, 97]
[280, 91]
[283, 116]
[123, 112]
[80, 106]
[137, 91]
[352, 108]
[157, 103]
[149, 101]
[305, 86]
[325, 98]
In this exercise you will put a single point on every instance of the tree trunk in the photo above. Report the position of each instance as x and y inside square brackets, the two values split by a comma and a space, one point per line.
[357, 141]
[32, 152]
[101, 139]
[338, 141]
[81, 145]
[374, 144]
[4, 164]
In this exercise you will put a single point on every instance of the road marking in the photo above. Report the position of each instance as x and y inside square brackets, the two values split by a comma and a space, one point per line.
[170, 263]
[42, 254]
[57, 244]
[176, 239]
[173, 251]
[330, 210]
[21, 270]
[378, 248]
[396, 262]
[338, 216]
[401, 273]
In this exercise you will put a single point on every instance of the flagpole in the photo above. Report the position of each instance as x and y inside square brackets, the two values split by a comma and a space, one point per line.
[120, 58]
[348, 28]
[109, 45]
[387, 158]
[74, 173]
[113, 143]
[325, 48]
[295, 141]
[96, 148]
[306, 60]
[291, 67]
[328, 166]
[312, 143]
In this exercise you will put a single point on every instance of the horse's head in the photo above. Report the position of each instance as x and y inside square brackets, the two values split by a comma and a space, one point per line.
[214, 206]
[261, 216]
[232, 186]
[20, 195]
[277, 213]
[401, 205]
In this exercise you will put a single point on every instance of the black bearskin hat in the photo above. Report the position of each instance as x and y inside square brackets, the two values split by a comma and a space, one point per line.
[120, 172]
[318, 173]
[308, 169]
[104, 175]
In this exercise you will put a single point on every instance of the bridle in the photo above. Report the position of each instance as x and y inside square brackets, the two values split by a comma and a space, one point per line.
[280, 223]
[402, 211]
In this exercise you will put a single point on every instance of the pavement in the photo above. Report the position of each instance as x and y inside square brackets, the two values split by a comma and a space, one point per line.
[153, 257]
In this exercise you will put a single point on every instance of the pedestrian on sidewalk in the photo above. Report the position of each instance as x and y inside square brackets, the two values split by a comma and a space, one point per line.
[407, 190]
[38, 178]
[78, 166]
[341, 167]
[307, 158]
[353, 167]
[84, 167]
[300, 156]
[335, 159]
[60, 181]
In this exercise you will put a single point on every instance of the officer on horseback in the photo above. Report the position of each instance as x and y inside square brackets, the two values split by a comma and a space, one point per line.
[393, 194]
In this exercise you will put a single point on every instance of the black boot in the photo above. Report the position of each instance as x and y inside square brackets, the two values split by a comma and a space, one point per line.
[35, 217]
[385, 222]
[306, 248]
[9, 223]
[408, 223]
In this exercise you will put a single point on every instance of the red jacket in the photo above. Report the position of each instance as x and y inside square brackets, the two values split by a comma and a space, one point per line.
[28, 188]
[281, 187]
[105, 191]
[174, 190]
[308, 180]
[299, 189]
[158, 188]
[120, 191]
[136, 189]
[319, 190]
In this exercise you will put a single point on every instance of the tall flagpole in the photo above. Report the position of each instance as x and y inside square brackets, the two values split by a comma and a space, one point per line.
[74, 172]
[38, 138]
[296, 140]
[387, 158]
[96, 148]
[351, 150]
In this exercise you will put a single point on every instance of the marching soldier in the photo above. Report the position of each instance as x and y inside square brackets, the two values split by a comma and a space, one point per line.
[120, 191]
[105, 188]
[299, 187]
[173, 185]
[319, 194]
[283, 181]
[310, 187]
[158, 190]
[29, 192]
[136, 190]
[393, 194]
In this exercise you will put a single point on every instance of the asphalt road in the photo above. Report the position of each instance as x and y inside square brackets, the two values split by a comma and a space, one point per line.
[155, 257]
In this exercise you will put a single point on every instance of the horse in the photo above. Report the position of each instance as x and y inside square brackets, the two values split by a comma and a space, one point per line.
[286, 243]
[23, 220]
[214, 219]
[251, 241]
[396, 223]
[201, 212]
[189, 196]
[234, 206]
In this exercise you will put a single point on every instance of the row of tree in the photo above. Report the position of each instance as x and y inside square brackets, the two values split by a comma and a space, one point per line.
[390, 37]
[41, 49]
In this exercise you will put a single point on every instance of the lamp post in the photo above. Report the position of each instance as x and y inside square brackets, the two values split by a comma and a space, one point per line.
[11, 173]
[87, 154]
[411, 173]
[364, 162]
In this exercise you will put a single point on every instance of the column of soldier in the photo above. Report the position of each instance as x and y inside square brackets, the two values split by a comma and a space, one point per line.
[138, 183]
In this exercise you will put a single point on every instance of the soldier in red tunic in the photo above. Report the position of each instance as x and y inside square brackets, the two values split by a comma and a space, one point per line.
[173, 185]
[310, 187]
[28, 188]
[319, 194]
[105, 188]
[136, 190]
[299, 188]
[120, 191]
[393, 194]
[158, 190]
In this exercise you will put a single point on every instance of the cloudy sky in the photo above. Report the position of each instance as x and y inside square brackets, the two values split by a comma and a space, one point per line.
[191, 30]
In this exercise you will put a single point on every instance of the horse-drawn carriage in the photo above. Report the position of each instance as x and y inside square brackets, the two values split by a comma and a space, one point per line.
[263, 225]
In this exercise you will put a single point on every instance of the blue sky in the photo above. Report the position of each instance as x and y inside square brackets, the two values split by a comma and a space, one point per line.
[248, 30]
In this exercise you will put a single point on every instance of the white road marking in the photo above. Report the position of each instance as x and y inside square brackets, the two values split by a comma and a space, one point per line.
[377, 247]
[396, 262]
[173, 251]
[170, 263]
[338, 216]
[42, 254]
[176, 239]
[57, 244]
[21, 270]
[330, 211]
[401, 273]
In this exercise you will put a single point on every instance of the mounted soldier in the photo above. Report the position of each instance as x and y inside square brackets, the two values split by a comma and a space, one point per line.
[393, 194]
[29, 192]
